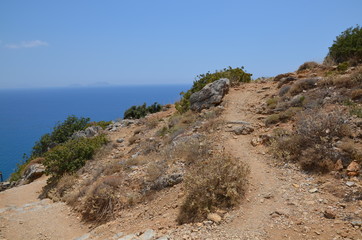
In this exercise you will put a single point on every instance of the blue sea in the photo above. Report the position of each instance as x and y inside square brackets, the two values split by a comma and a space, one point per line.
[27, 114]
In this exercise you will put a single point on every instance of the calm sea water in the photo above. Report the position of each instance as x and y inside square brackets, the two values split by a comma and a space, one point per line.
[25, 115]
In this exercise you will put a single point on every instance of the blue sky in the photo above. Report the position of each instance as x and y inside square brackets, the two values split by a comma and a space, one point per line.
[90, 43]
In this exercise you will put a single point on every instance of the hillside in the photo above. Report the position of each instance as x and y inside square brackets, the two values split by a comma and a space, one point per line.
[291, 185]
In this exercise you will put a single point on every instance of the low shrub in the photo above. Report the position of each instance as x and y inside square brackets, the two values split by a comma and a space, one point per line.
[308, 65]
[312, 144]
[102, 124]
[342, 67]
[136, 112]
[272, 102]
[302, 84]
[215, 183]
[72, 155]
[284, 90]
[235, 75]
[102, 201]
[356, 94]
[283, 116]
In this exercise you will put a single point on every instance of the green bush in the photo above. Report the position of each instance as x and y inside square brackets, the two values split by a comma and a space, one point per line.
[235, 75]
[71, 155]
[347, 47]
[102, 124]
[136, 112]
[60, 134]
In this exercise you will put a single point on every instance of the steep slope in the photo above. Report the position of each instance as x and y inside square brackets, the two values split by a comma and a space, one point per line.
[281, 202]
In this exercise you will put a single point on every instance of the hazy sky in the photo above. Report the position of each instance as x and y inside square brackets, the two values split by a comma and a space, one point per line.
[62, 43]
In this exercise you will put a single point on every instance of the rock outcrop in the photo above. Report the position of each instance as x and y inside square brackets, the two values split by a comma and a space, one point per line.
[33, 172]
[88, 132]
[211, 95]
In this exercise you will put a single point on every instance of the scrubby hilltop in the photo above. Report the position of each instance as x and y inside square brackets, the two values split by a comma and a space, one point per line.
[274, 158]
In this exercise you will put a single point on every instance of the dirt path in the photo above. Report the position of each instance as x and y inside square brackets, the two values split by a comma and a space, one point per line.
[279, 203]
[265, 184]
[24, 216]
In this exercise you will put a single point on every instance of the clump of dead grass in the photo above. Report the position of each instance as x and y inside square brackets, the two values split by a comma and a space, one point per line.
[104, 200]
[215, 183]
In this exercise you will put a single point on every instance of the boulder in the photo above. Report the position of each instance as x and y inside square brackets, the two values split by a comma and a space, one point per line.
[211, 95]
[243, 130]
[88, 132]
[214, 217]
[33, 172]
[353, 168]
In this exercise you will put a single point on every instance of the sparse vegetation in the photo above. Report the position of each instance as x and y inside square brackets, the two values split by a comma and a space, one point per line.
[312, 143]
[235, 75]
[214, 183]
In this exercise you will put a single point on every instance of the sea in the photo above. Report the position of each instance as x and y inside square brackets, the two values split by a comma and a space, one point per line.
[27, 114]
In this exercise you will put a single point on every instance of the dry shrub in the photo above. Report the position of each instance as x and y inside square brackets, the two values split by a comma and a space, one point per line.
[152, 122]
[283, 116]
[280, 76]
[133, 140]
[64, 185]
[302, 84]
[313, 159]
[150, 146]
[192, 150]
[216, 183]
[284, 90]
[352, 150]
[272, 119]
[272, 102]
[353, 80]
[103, 200]
[155, 170]
[211, 125]
[320, 126]
[135, 161]
[113, 167]
[309, 65]
[312, 144]
[356, 94]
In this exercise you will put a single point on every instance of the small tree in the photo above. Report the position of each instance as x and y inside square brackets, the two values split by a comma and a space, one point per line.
[347, 47]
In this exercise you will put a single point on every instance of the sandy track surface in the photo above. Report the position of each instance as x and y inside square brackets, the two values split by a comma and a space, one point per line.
[24, 216]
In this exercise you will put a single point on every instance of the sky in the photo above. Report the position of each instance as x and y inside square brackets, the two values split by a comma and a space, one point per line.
[116, 42]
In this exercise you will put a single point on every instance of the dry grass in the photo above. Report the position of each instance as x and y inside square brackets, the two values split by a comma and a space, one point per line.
[356, 94]
[65, 185]
[102, 201]
[212, 125]
[353, 80]
[215, 183]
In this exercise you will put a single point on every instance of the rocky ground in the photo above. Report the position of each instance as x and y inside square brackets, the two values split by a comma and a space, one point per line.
[281, 202]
